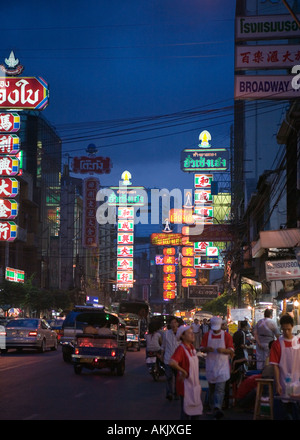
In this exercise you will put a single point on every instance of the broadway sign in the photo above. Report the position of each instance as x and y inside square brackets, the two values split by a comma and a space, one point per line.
[265, 87]
[23, 93]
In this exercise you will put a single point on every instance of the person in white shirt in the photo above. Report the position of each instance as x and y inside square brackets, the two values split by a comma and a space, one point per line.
[265, 331]
[169, 345]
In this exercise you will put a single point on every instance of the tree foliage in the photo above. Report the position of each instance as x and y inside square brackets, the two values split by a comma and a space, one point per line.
[218, 306]
[30, 298]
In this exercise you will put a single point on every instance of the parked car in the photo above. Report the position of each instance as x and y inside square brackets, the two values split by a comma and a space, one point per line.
[30, 333]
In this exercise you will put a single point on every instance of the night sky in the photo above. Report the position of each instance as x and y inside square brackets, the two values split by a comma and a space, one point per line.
[140, 79]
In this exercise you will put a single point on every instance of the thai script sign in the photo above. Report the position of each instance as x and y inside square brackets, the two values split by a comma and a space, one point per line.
[266, 57]
[23, 93]
[123, 197]
[85, 164]
[179, 216]
[265, 87]
[213, 160]
[161, 239]
[265, 27]
[282, 270]
[213, 261]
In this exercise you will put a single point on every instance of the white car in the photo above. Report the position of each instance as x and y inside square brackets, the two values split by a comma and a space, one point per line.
[30, 333]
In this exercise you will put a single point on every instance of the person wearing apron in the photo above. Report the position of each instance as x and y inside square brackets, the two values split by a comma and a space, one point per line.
[285, 356]
[185, 361]
[219, 346]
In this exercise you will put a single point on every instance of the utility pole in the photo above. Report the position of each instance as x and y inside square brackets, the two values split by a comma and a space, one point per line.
[291, 12]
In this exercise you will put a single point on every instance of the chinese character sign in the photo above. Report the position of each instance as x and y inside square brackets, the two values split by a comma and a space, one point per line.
[90, 226]
[125, 238]
[9, 144]
[8, 231]
[10, 122]
[267, 56]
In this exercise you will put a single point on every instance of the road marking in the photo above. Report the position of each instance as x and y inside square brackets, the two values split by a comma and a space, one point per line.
[79, 395]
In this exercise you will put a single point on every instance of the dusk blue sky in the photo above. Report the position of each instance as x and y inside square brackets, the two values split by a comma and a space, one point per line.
[111, 63]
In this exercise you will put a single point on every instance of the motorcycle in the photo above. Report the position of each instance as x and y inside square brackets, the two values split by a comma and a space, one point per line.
[155, 366]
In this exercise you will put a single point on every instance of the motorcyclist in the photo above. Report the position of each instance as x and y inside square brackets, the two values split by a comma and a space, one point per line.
[153, 340]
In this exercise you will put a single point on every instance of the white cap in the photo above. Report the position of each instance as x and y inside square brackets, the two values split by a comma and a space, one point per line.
[181, 330]
[215, 323]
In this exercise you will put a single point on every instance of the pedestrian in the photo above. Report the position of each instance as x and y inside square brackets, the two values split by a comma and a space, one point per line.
[197, 333]
[219, 348]
[185, 362]
[285, 356]
[204, 327]
[169, 345]
[240, 348]
[265, 331]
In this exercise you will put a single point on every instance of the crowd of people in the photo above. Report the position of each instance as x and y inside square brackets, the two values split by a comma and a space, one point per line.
[226, 362]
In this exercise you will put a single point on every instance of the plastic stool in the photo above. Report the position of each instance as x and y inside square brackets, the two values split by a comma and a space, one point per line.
[258, 401]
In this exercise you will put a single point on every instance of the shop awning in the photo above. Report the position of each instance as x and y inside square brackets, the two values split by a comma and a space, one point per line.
[281, 239]
[287, 295]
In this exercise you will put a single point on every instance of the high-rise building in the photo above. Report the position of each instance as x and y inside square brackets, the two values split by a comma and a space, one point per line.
[36, 249]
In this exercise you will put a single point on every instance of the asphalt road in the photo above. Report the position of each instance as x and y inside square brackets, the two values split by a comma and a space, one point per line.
[36, 386]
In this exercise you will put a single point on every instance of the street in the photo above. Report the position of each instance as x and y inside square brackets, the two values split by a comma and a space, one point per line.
[38, 386]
